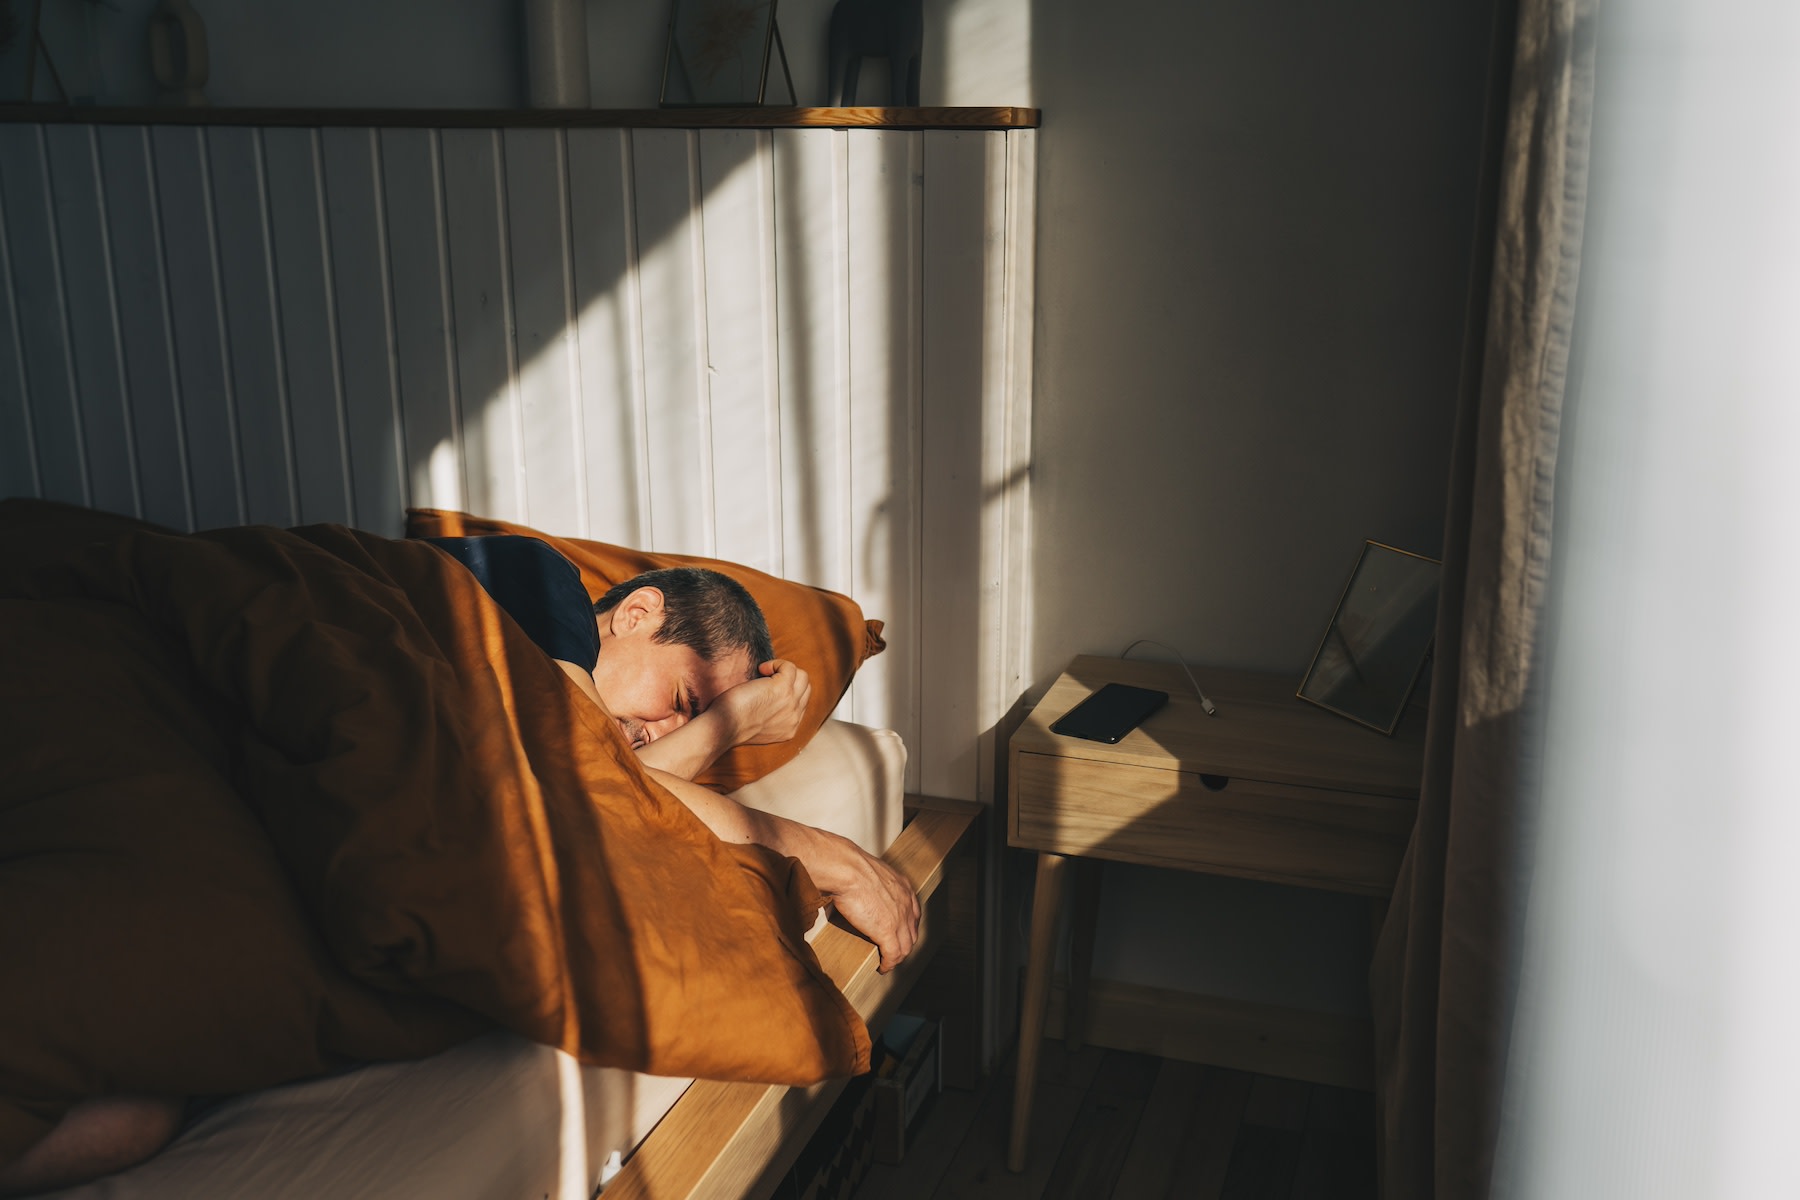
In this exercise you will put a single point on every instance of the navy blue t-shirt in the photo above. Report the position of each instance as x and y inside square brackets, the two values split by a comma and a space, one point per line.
[538, 588]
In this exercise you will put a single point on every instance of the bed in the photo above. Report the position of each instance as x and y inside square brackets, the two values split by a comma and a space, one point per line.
[499, 1115]
[496, 1116]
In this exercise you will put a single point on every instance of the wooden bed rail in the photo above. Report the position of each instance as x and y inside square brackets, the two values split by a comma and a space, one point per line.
[734, 1141]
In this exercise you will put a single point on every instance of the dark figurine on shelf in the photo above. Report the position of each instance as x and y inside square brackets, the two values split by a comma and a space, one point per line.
[890, 29]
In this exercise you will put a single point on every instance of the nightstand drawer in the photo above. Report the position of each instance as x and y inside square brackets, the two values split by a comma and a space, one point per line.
[1315, 837]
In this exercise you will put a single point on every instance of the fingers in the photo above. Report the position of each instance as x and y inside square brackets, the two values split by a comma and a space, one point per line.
[904, 933]
[782, 666]
[770, 708]
[883, 908]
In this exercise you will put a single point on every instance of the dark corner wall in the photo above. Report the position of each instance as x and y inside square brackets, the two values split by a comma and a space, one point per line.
[1255, 225]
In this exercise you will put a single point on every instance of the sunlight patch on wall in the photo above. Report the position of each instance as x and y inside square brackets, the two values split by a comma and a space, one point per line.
[439, 484]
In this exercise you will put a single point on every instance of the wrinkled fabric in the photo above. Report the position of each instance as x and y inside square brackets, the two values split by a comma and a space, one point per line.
[1444, 978]
[281, 801]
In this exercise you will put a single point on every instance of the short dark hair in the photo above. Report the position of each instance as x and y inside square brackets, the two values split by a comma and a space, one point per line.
[710, 613]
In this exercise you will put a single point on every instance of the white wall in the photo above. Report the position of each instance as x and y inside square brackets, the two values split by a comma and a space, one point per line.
[1254, 236]
[466, 53]
[327, 53]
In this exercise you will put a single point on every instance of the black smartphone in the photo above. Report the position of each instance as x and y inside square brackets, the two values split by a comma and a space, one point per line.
[1110, 713]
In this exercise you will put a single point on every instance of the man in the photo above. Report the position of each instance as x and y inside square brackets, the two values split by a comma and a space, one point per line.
[681, 659]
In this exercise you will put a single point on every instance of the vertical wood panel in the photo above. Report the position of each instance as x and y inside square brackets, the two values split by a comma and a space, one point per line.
[363, 301]
[993, 512]
[424, 343]
[305, 301]
[609, 336]
[38, 294]
[812, 268]
[674, 324]
[960, 253]
[146, 334]
[246, 269]
[481, 305]
[18, 450]
[885, 216]
[92, 317]
[1014, 482]
[736, 188]
[1011, 612]
[549, 380]
[197, 316]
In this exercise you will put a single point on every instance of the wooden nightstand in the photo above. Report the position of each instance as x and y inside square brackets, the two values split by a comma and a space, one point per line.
[1272, 788]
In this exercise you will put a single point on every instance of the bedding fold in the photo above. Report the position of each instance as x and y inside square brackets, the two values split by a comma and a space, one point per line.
[278, 801]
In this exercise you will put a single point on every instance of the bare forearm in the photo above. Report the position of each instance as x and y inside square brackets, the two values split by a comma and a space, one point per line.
[691, 749]
[868, 893]
[729, 820]
[826, 856]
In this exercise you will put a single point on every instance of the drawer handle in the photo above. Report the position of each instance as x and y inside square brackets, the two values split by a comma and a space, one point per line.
[1214, 783]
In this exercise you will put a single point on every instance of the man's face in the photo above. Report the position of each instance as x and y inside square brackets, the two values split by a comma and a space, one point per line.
[652, 688]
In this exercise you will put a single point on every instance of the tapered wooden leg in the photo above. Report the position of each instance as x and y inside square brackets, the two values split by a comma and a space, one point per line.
[1045, 903]
[1081, 950]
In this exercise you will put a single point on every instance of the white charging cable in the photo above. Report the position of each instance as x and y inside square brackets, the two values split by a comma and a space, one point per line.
[1206, 704]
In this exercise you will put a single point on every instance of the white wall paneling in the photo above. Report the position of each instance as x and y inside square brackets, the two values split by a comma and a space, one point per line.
[308, 327]
[418, 260]
[806, 350]
[487, 381]
[257, 380]
[141, 297]
[197, 325]
[610, 339]
[92, 316]
[52, 403]
[670, 259]
[812, 265]
[548, 369]
[884, 248]
[363, 304]
[18, 463]
[737, 223]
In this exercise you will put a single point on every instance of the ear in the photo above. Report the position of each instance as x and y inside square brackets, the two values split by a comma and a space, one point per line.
[640, 612]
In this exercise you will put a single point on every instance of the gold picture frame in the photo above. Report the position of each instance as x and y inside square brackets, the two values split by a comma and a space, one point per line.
[1375, 646]
[718, 54]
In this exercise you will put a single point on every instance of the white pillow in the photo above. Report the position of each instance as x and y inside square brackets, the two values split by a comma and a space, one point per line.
[850, 779]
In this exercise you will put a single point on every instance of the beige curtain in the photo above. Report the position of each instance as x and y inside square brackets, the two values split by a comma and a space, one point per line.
[1445, 967]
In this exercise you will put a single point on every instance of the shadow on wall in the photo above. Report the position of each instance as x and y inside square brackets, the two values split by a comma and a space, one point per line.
[213, 326]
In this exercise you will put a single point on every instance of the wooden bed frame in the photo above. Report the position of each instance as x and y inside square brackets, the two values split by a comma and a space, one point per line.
[735, 1141]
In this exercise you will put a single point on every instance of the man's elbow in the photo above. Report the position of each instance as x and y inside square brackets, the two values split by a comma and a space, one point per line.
[97, 1137]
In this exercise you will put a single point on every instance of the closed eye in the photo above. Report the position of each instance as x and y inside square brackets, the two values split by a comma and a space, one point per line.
[693, 702]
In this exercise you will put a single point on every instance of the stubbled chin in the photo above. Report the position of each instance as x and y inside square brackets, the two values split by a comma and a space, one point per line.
[634, 733]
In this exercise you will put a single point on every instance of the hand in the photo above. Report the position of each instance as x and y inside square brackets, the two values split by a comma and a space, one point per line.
[881, 905]
[768, 709]
[876, 899]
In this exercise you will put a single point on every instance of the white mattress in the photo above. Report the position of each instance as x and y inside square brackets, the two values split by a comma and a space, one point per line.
[497, 1117]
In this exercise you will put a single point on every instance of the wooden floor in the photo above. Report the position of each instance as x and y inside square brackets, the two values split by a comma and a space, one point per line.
[1131, 1127]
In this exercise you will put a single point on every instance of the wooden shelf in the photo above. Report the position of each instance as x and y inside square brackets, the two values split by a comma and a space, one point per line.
[537, 118]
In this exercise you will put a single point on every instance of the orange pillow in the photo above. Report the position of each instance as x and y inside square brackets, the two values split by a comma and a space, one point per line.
[822, 632]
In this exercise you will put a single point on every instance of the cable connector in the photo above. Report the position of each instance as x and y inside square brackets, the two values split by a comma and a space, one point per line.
[1206, 705]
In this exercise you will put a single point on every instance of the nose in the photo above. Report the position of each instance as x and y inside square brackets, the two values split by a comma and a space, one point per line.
[669, 724]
